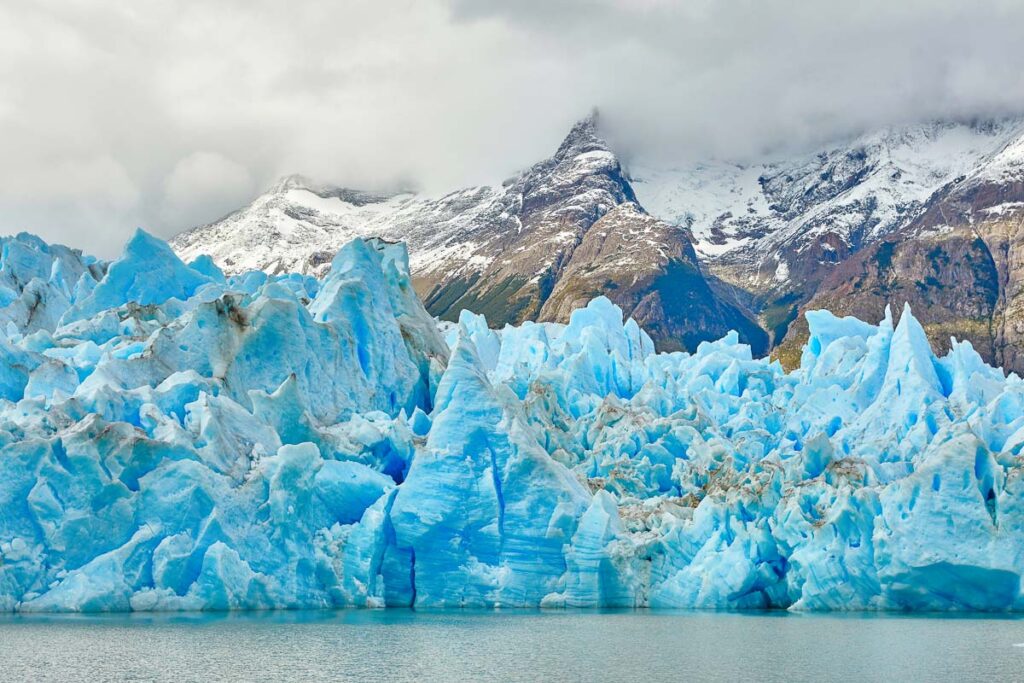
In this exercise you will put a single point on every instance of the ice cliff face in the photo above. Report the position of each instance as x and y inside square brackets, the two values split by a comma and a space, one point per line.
[176, 439]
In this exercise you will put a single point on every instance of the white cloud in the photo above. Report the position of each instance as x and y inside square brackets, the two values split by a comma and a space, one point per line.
[205, 185]
[84, 202]
[196, 101]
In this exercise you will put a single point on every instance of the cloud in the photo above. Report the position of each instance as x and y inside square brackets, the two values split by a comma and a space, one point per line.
[205, 182]
[182, 109]
[89, 199]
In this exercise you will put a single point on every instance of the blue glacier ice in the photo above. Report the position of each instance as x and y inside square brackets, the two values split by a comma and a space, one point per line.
[172, 439]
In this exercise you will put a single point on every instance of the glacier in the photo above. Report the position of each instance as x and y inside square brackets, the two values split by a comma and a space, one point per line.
[175, 439]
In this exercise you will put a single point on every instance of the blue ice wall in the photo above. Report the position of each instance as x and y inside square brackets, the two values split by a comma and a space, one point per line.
[171, 438]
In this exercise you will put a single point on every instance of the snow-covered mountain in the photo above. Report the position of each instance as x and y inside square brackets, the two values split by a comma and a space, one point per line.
[779, 230]
[688, 251]
[296, 226]
[535, 248]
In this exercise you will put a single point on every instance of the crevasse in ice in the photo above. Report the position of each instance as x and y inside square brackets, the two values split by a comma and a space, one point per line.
[174, 439]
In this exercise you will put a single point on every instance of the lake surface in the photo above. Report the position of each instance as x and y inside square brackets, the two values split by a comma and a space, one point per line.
[402, 645]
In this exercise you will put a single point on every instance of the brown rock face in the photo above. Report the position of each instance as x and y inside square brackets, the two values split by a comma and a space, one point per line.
[949, 280]
[527, 237]
[648, 268]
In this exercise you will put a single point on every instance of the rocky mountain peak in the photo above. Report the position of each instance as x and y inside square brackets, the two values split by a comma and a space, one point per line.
[582, 138]
[584, 175]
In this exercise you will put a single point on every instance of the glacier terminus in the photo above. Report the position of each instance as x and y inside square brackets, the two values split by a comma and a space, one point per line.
[172, 438]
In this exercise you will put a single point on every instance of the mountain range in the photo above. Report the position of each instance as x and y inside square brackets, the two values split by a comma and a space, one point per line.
[927, 213]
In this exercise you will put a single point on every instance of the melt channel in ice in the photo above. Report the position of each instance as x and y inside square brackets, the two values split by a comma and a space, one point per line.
[172, 439]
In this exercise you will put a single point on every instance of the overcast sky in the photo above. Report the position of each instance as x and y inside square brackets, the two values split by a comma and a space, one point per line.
[167, 114]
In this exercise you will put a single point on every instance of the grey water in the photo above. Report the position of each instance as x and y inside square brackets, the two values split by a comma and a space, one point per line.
[405, 645]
